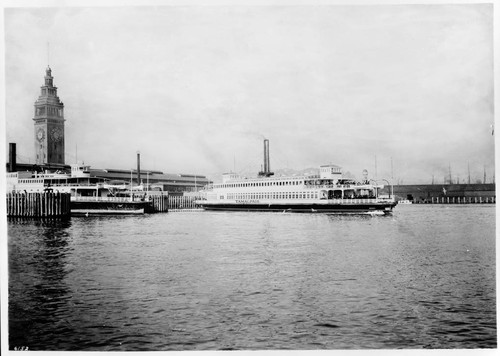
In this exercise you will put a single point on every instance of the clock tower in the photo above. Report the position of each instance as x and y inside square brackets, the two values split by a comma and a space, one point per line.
[49, 124]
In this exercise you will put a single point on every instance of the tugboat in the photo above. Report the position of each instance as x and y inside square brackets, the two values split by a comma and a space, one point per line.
[328, 192]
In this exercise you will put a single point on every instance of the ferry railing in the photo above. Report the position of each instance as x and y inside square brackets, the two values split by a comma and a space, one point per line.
[355, 201]
[110, 199]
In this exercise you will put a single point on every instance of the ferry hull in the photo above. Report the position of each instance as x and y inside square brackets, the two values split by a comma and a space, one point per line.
[339, 208]
[86, 208]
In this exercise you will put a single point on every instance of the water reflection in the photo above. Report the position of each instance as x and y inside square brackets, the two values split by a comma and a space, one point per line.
[37, 290]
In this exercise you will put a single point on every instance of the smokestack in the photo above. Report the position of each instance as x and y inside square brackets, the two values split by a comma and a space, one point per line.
[266, 171]
[12, 157]
[267, 167]
[138, 168]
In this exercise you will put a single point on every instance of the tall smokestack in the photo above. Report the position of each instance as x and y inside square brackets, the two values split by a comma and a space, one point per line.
[138, 168]
[12, 157]
[267, 167]
[266, 172]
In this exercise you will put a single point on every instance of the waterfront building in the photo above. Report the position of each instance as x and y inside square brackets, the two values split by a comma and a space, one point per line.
[49, 142]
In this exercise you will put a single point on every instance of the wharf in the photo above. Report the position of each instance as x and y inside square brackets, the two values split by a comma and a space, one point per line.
[444, 193]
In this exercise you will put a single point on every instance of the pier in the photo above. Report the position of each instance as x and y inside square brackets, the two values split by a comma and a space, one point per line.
[59, 205]
[459, 200]
[38, 205]
[157, 204]
[444, 193]
[183, 203]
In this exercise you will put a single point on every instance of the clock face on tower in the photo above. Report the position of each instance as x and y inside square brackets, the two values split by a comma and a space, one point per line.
[56, 135]
[40, 134]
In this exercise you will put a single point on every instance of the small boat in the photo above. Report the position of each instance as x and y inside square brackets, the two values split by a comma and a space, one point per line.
[328, 192]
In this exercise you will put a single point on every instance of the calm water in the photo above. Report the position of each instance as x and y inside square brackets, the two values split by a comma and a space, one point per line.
[422, 278]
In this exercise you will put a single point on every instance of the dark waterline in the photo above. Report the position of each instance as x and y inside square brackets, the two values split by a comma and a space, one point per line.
[422, 278]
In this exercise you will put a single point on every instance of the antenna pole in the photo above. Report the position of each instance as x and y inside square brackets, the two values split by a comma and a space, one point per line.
[392, 170]
[468, 169]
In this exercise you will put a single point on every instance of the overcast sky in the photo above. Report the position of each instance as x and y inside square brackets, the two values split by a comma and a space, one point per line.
[196, 89]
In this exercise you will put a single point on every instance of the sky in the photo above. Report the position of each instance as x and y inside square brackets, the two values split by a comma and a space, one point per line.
[404, 91]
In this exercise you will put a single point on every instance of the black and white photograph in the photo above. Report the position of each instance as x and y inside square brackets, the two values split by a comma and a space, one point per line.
[293, 177]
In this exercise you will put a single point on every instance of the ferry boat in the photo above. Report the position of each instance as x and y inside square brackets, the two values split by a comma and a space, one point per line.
[89, 195]
[328, 192]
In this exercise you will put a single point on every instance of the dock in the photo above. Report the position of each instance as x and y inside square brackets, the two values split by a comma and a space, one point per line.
[38, 205]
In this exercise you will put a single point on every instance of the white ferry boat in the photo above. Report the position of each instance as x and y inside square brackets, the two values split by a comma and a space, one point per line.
[89, 195]
[328, 192]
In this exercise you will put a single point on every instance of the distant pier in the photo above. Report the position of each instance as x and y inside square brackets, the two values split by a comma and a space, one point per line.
[444, 193]
[460, 200]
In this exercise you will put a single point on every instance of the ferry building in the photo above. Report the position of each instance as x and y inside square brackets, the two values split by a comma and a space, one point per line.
[49, 124]
[49, 144]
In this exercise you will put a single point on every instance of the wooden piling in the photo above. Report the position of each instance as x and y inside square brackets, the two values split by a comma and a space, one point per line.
[38, 205]
[180, 203]
[157, 203]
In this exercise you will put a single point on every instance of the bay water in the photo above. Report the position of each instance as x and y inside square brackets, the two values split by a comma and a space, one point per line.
[423, 277]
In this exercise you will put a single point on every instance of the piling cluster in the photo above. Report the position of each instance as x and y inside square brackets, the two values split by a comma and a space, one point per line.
[462, 200]
[157, 204]
[183, 203]
[38, 205]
